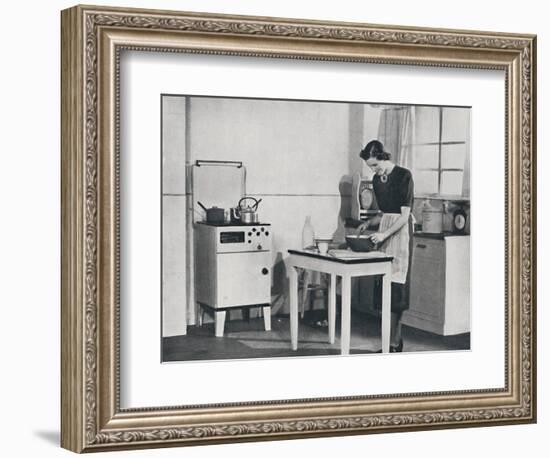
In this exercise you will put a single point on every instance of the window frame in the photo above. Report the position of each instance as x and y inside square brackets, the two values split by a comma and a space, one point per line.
[440, 169]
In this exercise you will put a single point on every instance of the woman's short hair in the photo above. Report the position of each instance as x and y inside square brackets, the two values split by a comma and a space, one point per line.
[374, 149]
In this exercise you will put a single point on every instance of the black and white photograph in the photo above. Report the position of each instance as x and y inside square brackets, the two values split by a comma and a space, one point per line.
[244, 228]
[306, 228]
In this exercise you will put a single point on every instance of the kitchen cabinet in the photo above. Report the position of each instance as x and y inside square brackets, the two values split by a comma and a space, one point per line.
[440, 285]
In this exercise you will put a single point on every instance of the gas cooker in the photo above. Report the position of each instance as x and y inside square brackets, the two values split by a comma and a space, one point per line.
[233, 264]
[234, 237]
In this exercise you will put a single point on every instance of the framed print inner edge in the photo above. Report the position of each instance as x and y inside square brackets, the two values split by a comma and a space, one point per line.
[92, 39]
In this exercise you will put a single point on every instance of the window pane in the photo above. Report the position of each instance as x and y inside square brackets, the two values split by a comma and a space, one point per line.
[425, 182]
[427, 124]
[426, 157]
[452, 156]
[451, 183]
[456, 125]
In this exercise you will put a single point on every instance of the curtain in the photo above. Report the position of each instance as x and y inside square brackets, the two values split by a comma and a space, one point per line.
[396, 132]
[466, 174]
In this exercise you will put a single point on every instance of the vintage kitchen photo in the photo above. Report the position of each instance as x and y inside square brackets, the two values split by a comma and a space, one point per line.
[313, 228]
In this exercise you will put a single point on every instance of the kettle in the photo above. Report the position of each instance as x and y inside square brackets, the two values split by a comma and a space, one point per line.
[246, 214]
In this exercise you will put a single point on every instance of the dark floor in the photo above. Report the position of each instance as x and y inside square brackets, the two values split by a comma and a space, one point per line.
[248, 339]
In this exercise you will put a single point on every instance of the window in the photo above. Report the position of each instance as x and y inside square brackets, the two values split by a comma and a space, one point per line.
[441, 151]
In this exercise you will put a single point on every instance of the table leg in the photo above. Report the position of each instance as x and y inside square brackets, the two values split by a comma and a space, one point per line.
[346, 314]
[332, 309]
[184, 323]
[306, 280]
[293, 296]
[219, 321]
[200, 315]
[386, 311]
[267, 317]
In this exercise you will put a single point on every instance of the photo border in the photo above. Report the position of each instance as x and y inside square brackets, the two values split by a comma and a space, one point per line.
[92, 40]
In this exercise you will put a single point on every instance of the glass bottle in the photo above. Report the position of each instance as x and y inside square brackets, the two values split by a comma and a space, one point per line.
[308, 234]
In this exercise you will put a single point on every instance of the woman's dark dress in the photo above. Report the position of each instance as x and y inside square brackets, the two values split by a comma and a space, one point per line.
[396, 192]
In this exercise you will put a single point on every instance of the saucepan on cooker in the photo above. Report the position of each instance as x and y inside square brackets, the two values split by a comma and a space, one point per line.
[214, 214]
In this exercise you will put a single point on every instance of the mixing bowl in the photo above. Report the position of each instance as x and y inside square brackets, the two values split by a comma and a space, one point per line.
[360, 242]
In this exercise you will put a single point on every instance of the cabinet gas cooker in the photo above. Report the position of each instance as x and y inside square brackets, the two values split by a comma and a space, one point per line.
[233, 268]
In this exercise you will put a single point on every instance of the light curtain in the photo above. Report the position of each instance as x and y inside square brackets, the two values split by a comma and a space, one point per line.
[466, 174]
[396, 132]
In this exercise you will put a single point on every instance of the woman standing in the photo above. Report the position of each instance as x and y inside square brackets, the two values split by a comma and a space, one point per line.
[394, 191]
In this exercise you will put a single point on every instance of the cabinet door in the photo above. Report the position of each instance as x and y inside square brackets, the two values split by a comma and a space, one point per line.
[244, 278]
[427, 296]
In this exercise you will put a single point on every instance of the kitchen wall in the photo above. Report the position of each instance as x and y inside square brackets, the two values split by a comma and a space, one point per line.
[299, 158]
[296, 154]
[176, 256]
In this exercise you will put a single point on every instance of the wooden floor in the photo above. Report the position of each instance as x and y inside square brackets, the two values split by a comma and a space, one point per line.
[248, 339]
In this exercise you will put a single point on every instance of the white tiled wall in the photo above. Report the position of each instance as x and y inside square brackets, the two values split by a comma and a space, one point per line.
[287, 147]
[299, 158]
[175, 277]
[173, 145]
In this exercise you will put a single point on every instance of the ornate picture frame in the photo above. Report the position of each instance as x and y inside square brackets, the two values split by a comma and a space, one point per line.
[92, 41]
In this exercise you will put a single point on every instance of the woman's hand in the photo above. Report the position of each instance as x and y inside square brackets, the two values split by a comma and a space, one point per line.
[363, 227]
[378, 237]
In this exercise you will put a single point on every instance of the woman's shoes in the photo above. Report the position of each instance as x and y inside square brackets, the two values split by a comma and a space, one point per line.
[394, 348]
[397, 348]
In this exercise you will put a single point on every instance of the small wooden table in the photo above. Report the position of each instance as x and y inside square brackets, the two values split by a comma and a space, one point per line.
[346, 268]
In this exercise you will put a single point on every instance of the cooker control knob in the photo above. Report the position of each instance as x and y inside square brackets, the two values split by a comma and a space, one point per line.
[265, 271]
[259, 247]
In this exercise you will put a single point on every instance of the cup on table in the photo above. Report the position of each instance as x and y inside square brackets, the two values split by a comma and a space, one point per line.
[322, 246]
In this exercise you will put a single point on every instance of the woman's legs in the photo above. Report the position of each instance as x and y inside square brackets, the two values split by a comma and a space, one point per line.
[399, 294]
[395, 334]
[399, 298]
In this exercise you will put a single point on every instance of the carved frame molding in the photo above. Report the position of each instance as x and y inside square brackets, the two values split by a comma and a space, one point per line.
[92, 39]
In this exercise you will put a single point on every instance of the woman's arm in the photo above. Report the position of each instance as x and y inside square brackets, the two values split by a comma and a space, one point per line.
[379, 237]
[369, 223]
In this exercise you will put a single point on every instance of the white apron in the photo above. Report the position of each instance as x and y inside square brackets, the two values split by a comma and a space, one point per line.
[396, 245]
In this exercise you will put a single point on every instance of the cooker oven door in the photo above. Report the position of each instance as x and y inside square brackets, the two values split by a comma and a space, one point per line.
[244, 278]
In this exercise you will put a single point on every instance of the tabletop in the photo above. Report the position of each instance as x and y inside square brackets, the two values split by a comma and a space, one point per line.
[345, 256]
